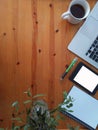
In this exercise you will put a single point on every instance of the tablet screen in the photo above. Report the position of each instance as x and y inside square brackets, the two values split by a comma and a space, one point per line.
[86, 78]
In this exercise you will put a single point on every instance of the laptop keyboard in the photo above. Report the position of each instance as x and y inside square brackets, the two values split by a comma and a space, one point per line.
[93, 50]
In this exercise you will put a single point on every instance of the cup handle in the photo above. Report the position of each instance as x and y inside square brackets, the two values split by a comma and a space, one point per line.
[65, 15]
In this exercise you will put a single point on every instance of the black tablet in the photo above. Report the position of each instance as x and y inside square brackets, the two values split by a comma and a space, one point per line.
[85, 77]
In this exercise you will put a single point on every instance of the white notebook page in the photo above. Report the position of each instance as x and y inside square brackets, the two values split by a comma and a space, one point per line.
[85, 107]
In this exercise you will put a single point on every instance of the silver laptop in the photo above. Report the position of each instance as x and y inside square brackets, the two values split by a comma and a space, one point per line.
[85, 42]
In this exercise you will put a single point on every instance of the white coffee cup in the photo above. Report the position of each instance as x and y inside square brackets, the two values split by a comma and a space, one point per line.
[77, 11]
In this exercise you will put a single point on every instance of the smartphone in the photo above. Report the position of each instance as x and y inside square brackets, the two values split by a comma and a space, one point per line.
[85, 77]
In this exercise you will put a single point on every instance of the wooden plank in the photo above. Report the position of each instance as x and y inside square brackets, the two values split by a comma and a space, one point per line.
[33, 52]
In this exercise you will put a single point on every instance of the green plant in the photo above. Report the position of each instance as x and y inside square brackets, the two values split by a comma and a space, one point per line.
[36, 114]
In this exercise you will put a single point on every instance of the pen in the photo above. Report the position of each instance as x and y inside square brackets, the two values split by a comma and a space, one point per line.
[69, 68]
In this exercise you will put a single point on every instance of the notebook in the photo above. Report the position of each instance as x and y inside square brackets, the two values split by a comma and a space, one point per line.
[85, 108]
[85, 42]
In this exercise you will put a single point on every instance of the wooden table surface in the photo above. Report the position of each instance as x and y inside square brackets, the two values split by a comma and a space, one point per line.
[33, 52]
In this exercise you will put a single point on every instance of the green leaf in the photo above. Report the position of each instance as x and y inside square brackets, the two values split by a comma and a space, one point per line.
[28, 111]
[71, 99]
[27, 101]
[13, 125]
[63, 109]
[26, 127]
[67, 101]
[38, 95]
[17, 119]
[70, 110]
[16, 105]
[65, 94]
[28, 92]
[16, 128]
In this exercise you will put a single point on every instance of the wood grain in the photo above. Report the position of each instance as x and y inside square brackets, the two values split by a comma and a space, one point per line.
[33, 52]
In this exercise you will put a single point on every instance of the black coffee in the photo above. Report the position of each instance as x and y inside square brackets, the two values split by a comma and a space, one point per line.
[77, 11]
